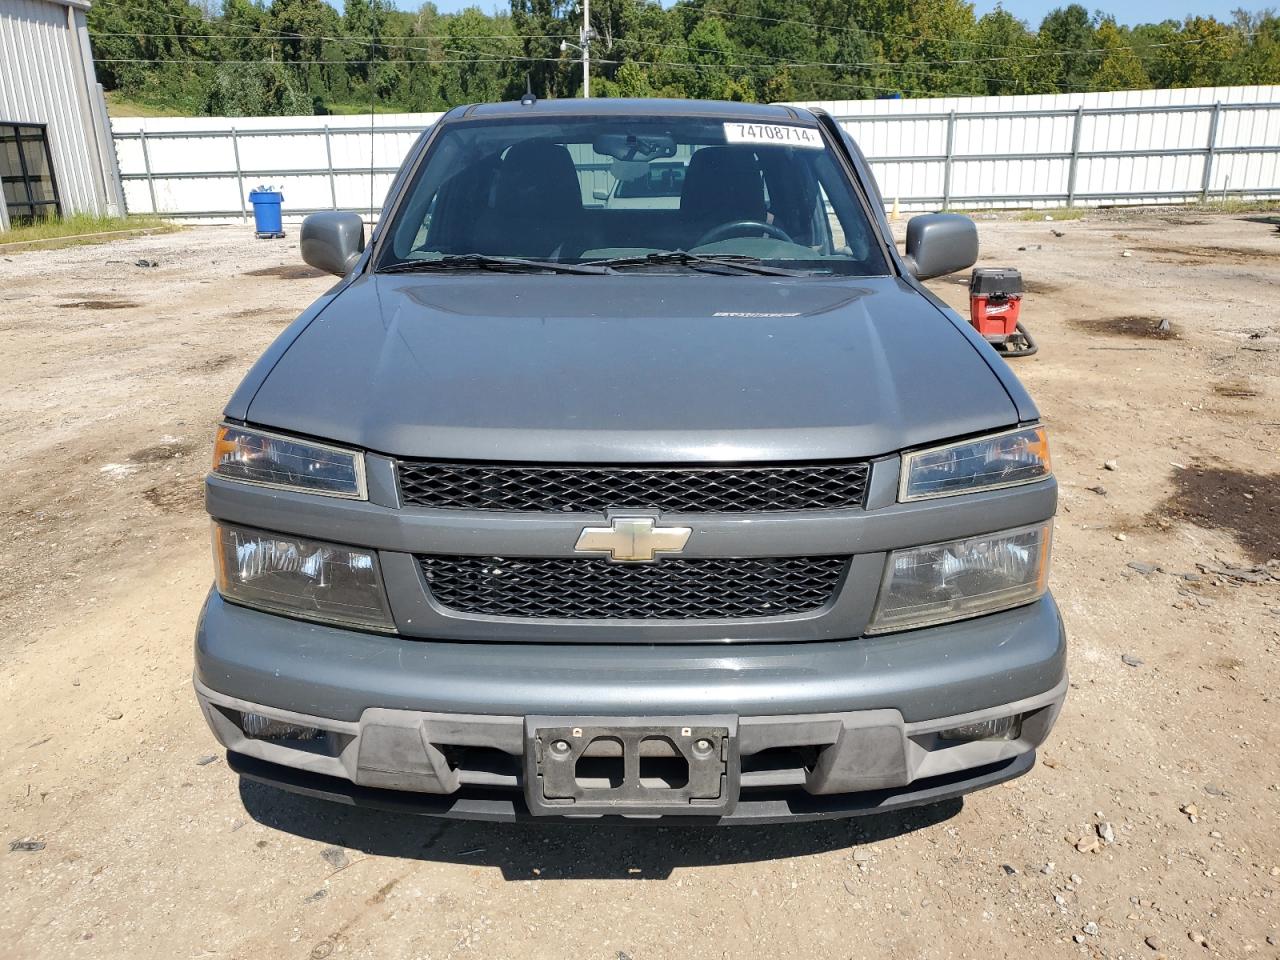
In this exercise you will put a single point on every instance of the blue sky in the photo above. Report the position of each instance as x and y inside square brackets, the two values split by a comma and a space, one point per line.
[1033, 11]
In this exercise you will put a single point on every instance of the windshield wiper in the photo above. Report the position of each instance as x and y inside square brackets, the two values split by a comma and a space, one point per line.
[480, 261]
[722, 263]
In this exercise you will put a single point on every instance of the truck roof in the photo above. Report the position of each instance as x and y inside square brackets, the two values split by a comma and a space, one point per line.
[639, 107]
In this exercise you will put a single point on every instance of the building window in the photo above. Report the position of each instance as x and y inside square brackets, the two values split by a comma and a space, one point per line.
[26, 173]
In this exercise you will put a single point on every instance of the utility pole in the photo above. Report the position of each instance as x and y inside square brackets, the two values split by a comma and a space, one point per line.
[585, 37]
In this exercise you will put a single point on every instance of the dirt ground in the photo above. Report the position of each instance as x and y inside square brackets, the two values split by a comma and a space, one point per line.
[130, 838]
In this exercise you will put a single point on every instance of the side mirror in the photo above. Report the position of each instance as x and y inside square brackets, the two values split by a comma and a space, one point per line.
[941, 243]
[332, 241]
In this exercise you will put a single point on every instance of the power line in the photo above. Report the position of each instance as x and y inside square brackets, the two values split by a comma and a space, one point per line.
[307, 61]
[847, 85]
[363, 41]
[210, 61]
[671, 64]
[261, 34]
[874, 64]
[372, 45]
[915, 66]
[971, 42]
[444, 45]
[465, 60]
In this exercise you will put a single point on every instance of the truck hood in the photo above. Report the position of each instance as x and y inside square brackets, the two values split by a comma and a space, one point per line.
[642, 367]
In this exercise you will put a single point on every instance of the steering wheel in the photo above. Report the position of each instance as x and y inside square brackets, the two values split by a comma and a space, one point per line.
[743, 228]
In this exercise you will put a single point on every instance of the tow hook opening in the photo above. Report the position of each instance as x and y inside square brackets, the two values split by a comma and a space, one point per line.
[664, 766]
[602, 763]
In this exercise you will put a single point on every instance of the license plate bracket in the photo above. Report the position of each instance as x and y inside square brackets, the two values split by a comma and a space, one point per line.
[591, 766]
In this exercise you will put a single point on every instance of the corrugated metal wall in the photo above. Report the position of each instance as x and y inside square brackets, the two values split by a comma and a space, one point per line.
[1167, 147]
[209, 164]
[1005, 152]
[42, 80]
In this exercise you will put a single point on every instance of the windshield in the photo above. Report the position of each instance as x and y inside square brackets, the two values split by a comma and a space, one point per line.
[630, 189]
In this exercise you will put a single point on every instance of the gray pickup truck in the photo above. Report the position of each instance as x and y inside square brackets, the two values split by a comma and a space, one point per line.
[705, 511]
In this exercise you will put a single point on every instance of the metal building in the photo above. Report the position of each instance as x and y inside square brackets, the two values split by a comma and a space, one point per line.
[56, 155]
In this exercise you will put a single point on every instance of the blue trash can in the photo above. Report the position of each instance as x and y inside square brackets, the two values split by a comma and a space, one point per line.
[266, 213]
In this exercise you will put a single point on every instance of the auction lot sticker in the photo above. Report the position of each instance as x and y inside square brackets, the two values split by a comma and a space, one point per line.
[777, 134]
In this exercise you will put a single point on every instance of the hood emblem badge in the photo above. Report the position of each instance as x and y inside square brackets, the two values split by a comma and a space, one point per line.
[632, 539]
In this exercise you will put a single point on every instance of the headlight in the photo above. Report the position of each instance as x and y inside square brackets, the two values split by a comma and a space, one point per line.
[301, 577]
[268, 459]
[963, 578]
[985, 463]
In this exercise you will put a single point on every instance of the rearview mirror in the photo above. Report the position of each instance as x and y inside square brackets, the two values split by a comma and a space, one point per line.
[630, 146]
[332, 241]
[941, 243]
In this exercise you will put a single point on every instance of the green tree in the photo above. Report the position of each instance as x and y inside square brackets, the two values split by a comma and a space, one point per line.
[238, 32]
[306, 36]
[935, 47]
[156, 51]
[999, 34]
[364, 23]
[467, 36]
[1259, 58]
[630, 80]
[542, 24]
[283, 56]
[710, 56]
[1066, 42]
[1120, 68]
[1209, 47]
[1156, 46]
[254, 90]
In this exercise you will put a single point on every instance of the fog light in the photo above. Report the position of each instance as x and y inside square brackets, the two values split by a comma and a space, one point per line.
[1002, 728]
[258, 727]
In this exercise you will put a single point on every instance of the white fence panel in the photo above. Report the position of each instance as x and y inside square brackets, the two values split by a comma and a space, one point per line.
[1144, 146]
[204, 167]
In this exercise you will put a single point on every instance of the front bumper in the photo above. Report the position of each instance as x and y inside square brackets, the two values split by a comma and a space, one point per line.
[755, 807]
[828, 728]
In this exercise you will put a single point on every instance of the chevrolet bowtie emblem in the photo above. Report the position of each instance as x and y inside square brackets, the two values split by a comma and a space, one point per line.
[632, 539]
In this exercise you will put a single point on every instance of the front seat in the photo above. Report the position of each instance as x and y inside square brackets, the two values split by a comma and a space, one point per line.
[536, 208]
[721, 185]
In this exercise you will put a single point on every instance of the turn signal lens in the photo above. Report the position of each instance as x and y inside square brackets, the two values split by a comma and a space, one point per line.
[272, 460]
[941, 582]
[985, 463]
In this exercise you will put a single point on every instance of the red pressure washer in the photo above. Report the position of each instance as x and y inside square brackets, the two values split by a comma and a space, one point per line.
[995, 301]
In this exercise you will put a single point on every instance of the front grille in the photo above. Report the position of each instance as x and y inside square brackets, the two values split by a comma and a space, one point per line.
[594, 489]
[686, 588]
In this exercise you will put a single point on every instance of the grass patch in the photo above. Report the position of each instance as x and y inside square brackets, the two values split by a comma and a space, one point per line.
[121, 106]
[1229, 205]
[1058, 213]
[1236, 205]
[352, 108]
[80, 228]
